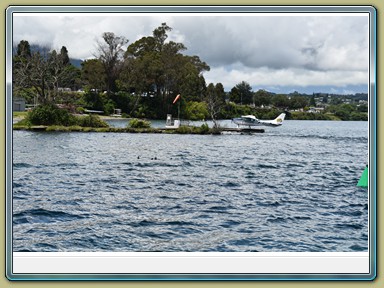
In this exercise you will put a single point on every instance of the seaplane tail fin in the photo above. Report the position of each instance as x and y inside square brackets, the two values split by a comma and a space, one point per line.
[275, 122]
[280, 119]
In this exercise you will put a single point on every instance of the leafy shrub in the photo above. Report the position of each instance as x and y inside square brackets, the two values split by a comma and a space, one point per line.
[91, 121]
[196, 110]
[80, 110]
[109, 107]
[184, 130]
[139, 123]
[204, 129]
[50, 114]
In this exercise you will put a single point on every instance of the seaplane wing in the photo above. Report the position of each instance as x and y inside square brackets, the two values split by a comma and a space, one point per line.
[250, 121]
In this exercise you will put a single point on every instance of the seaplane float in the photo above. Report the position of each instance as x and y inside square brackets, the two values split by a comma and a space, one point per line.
[251, 121]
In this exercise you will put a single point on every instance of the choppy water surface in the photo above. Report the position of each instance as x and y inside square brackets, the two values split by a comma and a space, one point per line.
[292, 188]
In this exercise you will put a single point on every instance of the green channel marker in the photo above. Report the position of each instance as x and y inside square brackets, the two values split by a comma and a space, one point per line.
[363, 182]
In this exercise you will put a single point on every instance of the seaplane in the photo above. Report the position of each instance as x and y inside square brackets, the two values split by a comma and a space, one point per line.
[251, 121]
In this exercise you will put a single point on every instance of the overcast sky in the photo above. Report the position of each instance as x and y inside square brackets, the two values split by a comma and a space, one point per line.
[282, 54]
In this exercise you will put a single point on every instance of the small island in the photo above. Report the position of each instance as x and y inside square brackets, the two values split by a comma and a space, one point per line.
[50, 117]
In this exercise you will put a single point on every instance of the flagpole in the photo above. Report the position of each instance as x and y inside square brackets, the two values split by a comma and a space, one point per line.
[178, 105]
[178, 110]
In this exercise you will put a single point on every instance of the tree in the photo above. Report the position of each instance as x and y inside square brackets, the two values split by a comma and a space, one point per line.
[160, 35]
[62, 72]
[242, 93]
[64, 56]
[157, 67]
[110, 53]
[43, 71]
[196, 110]
[215, 101]
[35, 73]
[93, 74]
[312, 101]
[280, 101]
[20, 67]
[362, 108]
[262, 98]
[192, 83]
[24, 49]
[296, 102]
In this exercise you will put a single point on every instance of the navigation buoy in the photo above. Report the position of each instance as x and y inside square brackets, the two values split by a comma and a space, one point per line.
[363, 182]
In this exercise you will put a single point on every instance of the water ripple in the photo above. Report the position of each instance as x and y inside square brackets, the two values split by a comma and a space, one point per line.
[290, 189]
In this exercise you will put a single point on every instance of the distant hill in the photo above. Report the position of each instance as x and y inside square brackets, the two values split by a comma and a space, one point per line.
[76, 62]
[357, 96]
[44, 50]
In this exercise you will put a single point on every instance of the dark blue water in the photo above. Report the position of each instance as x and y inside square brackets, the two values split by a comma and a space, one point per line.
[292, 188]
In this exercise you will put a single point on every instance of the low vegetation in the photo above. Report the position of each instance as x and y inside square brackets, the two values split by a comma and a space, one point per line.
[76, 128]
[51, 115]
[139, 123]
[50, 118]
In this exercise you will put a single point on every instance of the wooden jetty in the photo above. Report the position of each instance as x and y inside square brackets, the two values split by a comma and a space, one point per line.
[243, 130]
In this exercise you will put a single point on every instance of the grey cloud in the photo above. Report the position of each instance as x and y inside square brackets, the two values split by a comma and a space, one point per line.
[274, 42]
[277, 42]
[246, 48]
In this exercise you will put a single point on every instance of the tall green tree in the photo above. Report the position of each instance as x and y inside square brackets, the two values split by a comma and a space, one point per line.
[24, 49]
[262, 98]
[280, 101]
[93, 75]
[110, 54]
[64, 56]
[196, 110]
[296, 102]
[241, 93]
[156, 66]
[20, 67]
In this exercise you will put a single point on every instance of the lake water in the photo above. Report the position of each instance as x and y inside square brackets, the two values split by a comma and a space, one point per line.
[292, 188]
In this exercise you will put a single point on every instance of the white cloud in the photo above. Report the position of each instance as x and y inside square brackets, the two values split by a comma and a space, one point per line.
[298, 77]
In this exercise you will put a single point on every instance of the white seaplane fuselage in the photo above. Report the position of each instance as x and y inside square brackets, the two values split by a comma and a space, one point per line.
[251, 121]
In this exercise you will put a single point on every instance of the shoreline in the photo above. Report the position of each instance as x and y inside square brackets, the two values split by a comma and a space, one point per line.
[181, 130]
[191, 130]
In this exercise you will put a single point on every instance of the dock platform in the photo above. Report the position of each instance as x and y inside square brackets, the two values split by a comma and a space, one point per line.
[243, 130]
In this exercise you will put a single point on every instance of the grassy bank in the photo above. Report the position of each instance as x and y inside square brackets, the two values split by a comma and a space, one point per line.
[19, 114]
[55, 128]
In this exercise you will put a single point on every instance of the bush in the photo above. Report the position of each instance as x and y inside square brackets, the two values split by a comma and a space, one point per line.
[91, 121]
[196, 110]
[184, 130]
[204, 129]
[109, 107]
[139, 123]
[80, 110]
[50, 114]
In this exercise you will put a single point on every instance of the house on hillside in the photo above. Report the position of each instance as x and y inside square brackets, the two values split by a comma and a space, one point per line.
[316, 109]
